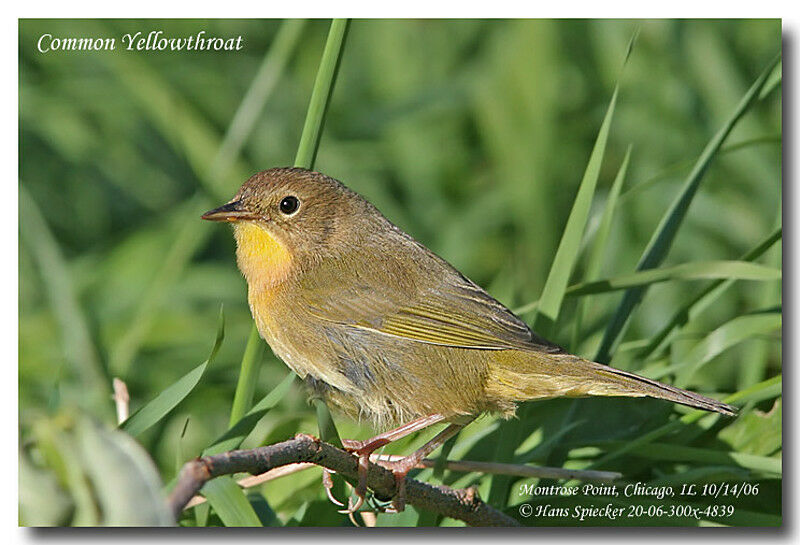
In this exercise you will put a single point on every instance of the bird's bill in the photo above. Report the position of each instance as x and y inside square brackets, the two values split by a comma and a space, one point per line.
[232, 211]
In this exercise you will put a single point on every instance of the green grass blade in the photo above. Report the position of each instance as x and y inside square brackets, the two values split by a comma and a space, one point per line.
[237, 433]
[600, 244]
[758, 354]
[78, 346]
[681, 453]
[569, 247]
[230, 502]
[775, 79]
[158, 408]
[186, 238]
[233, 437]
[703, 299]
[764, 390]
[677, 168]
[325, 423]
[248, 376]
[252, 105]
[723, 338]
[726, 336]
[321, 94]
[697, 270]
[664, 235]
[558, 278]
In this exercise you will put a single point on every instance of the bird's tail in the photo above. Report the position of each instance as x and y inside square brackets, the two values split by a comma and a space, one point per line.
[658, 390]
[539, 376]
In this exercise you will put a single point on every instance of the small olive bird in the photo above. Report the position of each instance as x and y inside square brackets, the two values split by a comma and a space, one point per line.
[384, 329]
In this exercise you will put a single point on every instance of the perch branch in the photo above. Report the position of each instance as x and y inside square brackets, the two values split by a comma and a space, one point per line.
[461, 466]
[516, 470]
[458, 504]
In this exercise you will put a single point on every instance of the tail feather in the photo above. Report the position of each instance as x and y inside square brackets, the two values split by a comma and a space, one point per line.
[653, 388]
[523, 376]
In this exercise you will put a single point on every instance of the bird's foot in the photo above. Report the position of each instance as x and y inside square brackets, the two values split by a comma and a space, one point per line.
[363, 450]
[399, 469]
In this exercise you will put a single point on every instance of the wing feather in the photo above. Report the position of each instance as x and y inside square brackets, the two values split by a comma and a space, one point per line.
[423, 299]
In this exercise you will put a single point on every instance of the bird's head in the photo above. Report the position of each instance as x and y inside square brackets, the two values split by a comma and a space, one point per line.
[286, 219]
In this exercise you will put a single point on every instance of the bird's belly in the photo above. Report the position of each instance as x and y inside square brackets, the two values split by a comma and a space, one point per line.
[376, 377]
[276, 333]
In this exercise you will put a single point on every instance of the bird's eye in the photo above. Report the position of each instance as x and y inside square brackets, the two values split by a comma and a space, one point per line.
[289, 205]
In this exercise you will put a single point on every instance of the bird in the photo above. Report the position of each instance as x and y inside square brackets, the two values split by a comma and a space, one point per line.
[387, 331]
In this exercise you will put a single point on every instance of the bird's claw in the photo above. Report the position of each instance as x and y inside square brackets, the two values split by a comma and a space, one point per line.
[327, 484]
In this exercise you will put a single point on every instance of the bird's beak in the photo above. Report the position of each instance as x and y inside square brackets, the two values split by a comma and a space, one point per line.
[233, 211]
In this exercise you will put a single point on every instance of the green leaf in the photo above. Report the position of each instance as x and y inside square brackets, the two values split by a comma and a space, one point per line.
[775, 79]
[600, 243]
[158, 408]
[327, 428]
[723, 338]
[230, 502]
[76, 339]
[248, 376]
[664, 235]
[697, 270]
[42, 502]
[569, 247]
[756, 432]
[703, 299]
[124, 478]
[676, 168]
[767, 389]
[321, 94]
[237, 433]
[681, 453]
[557, 280]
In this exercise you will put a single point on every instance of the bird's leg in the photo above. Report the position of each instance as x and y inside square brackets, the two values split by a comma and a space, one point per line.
[400, 468]
[363, 449]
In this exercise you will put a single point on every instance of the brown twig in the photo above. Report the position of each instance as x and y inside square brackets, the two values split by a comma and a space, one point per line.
[516, 470]
[462, 466]
[458, 504]
[255, 480]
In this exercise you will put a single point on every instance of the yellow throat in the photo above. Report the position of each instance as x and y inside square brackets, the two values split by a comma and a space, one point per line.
[263, 260]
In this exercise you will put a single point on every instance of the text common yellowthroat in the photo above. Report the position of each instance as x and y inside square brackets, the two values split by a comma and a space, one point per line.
[386, 330]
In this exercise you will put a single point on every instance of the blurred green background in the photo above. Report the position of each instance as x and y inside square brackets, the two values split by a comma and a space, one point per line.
[471, 135]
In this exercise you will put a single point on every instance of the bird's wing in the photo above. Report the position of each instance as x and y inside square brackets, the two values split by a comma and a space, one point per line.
[425, 300]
